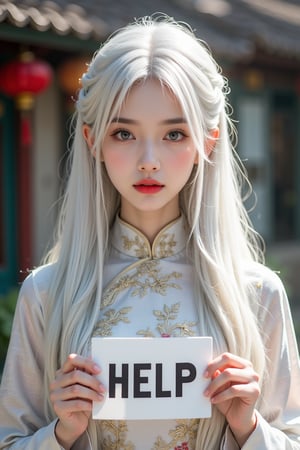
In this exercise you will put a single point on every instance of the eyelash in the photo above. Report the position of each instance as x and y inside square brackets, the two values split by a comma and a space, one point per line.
[179, 132]
[117, 135]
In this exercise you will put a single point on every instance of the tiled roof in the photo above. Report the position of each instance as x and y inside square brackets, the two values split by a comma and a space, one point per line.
[232, 28]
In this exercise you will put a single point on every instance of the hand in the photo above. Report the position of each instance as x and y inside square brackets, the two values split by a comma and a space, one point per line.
[72, 393]
[234, 389]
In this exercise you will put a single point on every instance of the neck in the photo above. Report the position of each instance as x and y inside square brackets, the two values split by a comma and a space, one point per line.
[149, 223]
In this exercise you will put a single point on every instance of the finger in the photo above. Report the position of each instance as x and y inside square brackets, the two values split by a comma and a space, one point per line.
[221, 381]
[76, 391]
[232, 375]
[77, 377]
[75, 361]
[64, 408]
[249, 393]
[223, 361]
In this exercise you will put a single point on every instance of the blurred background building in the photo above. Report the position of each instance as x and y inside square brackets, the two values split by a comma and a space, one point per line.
[44, 48]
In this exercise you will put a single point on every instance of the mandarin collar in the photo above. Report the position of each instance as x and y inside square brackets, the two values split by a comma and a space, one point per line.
[169, 241]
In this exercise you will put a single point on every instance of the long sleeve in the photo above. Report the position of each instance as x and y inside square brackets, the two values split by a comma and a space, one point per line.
[278, 426]
[22, 421]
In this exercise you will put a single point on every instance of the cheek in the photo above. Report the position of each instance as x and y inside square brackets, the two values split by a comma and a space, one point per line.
[185, 159]
[114, 161]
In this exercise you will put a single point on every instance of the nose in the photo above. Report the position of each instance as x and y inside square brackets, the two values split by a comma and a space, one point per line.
[148, 161]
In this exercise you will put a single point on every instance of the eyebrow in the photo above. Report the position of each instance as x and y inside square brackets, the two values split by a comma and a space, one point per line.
[172, 121]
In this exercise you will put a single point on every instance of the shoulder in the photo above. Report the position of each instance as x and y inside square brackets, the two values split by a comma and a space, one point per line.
[35, 287]
[271, 297]
[262, 277]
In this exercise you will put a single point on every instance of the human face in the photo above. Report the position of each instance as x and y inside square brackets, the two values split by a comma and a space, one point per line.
[149, 154]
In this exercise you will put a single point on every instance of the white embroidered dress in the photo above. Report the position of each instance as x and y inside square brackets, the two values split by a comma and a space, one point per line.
[148, 292]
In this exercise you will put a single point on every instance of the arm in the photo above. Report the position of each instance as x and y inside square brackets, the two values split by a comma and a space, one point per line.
[278, 416]
[22, 421]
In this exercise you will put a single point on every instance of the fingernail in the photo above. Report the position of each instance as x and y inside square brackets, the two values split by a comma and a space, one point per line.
[206, 374]
[206, 392]
[96, 368]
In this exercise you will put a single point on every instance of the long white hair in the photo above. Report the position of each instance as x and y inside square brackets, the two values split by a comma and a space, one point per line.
[222, 244]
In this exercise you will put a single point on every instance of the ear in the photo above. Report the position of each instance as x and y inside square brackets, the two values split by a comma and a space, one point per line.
[89, 138]
[86, 132]
[210, 142]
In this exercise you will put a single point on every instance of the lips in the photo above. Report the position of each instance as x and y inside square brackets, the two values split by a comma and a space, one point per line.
[148, 186]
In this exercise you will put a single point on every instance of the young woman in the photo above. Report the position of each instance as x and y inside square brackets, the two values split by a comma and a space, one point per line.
[153, 240]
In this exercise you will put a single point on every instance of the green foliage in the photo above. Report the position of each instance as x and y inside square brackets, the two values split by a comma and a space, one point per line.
[7, 309]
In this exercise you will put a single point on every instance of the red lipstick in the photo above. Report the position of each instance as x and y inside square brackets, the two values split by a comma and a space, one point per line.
[148, 186]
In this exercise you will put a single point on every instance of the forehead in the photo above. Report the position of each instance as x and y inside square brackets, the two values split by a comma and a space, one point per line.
[150, 97]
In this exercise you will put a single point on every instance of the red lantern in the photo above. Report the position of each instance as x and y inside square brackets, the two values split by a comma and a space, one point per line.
[25, 78]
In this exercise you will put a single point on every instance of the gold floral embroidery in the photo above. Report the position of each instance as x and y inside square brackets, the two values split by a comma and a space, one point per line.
[115, 288]
[141, 250]
[147, 276]
[110, 319]
[166, 328]
[163, 246]
[166, 245]
[259, 284]
[153, 280]
[145, 333]
[161, 444]
[117, 434]
[184, 432]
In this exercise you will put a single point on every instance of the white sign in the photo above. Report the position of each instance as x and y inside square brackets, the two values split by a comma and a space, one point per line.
[152, 378]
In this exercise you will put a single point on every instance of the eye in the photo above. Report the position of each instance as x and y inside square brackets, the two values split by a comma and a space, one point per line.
[123, 135]
[175, 135]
